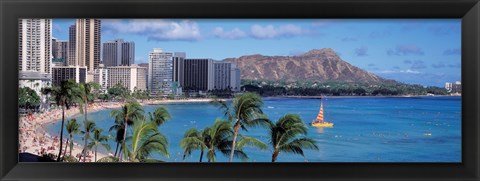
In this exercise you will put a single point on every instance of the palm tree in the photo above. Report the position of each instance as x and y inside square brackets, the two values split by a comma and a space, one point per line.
[98, 140]
[245, 112]
[218, 138]
[288, 135]
[128, 114]
[192, 140]
[160, 115]
[119, 131]
[145, 139]
[64, 95]
[72, 128]
[85, 95]
[88, 127]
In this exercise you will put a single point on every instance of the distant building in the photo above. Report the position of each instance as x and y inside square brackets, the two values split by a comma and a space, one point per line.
[35, 53]
[160, 72]
[457, 87]
[61, 73]
[454, 87]
[222, 75]
[198, 75]
[448, 86]
[118, 53]
[178, 71]
[101, 77]
[235, 78]
[34, 80]
[72, 39]
[145, 65]
[60, 52]
[132, 77]
[87, 45]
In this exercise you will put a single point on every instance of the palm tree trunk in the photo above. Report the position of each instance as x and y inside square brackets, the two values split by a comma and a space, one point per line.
[274, 156]
[116, 150]
[84, 153]
[86, 133]
[71, 145]
[65, 151]
[201, 155]
[61, 134]
[124, 132]
[96, 148]
[237, 127]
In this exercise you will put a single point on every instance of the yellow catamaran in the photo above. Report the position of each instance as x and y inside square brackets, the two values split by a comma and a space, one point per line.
[318, 122]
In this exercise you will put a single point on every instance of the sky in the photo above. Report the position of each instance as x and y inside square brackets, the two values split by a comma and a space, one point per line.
[415, 51]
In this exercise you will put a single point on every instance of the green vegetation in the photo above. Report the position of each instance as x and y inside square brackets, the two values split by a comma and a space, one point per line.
[288, 135]
[334, 88]
[246, 111]
[126, 116]
[72, 128]
[28, 99]
[64, 97]
[98, 140]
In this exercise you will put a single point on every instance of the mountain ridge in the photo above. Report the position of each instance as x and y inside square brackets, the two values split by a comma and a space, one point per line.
[316, 65]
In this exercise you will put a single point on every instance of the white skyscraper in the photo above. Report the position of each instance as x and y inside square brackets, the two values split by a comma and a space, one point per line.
[35, 53]
[160, 72]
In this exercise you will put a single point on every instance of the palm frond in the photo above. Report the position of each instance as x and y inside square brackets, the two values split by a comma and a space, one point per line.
[251, 142]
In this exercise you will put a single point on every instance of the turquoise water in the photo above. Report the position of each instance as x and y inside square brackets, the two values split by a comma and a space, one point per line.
[379, 129]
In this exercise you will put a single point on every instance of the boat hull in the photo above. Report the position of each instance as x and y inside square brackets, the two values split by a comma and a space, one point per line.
[324, 124]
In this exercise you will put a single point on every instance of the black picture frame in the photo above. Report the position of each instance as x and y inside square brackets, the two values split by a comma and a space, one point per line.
[467, 10]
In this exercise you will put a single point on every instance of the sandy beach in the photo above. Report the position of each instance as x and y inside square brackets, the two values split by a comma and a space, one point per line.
[33, 137]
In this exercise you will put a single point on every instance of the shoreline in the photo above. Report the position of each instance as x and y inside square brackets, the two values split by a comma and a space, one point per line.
[35, 139]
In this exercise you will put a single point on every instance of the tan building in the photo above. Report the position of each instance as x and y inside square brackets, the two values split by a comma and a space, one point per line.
[132, 77]
[35, 53]
[35, 45]
[87, 44]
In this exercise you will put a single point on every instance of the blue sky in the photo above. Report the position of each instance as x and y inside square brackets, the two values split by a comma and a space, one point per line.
[420, 51]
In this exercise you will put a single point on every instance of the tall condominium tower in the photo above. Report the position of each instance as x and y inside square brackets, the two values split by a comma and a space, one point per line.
[72, 39]
[87, 45]
[160, 72]
[59, 52]
[35, 45]
[178, 68]
[222, 75]
[198, 75]
[118, 52]
[35, 53]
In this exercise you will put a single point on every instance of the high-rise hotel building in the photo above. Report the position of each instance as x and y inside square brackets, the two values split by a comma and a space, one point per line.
[87, 45]
[198, 75]
[101, 77]
[160, 72]
[226, 76]
[118, 52]
[59, 52]
[132, 77]
[35, 53]
[72, 41]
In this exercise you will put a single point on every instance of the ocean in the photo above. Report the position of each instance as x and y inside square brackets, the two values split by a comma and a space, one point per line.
[367, 129]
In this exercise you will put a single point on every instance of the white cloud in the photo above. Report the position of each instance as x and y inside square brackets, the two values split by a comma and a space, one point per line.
[233, 34]
[159, 30]
[270, 31]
